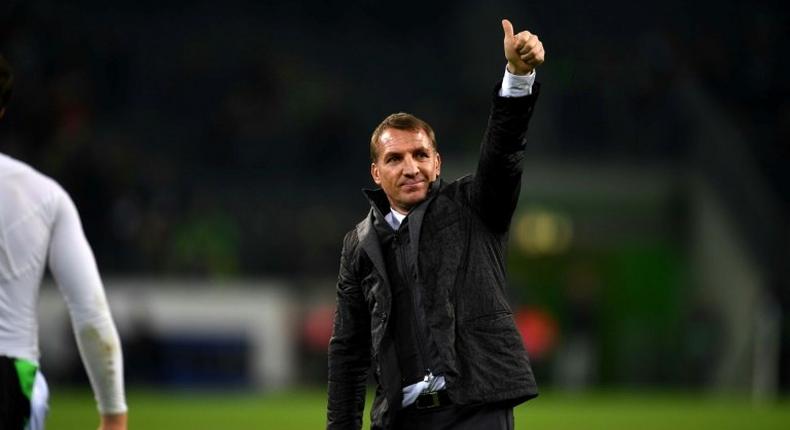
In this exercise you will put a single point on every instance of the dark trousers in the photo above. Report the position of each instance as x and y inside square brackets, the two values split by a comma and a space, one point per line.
[453, 417]
[14, 406]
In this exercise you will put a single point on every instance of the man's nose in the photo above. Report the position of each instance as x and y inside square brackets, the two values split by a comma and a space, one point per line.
[409, 166]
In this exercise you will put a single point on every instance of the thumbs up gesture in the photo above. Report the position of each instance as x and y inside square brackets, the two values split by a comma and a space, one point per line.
[523, 51]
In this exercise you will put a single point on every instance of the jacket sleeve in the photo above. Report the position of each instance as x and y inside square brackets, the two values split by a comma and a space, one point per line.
[497, 181]
[349, 347]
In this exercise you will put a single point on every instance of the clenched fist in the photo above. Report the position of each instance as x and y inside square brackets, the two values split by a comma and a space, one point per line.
[524, 51]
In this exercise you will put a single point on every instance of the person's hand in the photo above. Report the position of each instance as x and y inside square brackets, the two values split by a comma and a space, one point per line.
[524, 51]
[113, 422]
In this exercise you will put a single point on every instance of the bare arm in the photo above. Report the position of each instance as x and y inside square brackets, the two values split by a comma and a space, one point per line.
[74, 268]
[113, 422]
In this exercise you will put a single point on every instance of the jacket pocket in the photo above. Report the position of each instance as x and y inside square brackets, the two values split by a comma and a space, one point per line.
[492, 355]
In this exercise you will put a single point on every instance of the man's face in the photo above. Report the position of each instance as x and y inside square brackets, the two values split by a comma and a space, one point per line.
[405, 168]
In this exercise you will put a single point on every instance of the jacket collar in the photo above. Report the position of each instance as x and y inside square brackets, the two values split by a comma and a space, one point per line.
[379, 203]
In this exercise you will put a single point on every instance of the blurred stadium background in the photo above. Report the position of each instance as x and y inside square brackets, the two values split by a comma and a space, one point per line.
[216, 151]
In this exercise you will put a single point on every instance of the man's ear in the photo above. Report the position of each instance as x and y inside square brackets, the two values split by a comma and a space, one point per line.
[438, 164]
[374, 173]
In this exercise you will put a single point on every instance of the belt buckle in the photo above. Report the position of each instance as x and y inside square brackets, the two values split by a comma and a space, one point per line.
[433, 396]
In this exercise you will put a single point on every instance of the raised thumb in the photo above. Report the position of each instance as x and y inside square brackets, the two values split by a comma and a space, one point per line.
[507, 27]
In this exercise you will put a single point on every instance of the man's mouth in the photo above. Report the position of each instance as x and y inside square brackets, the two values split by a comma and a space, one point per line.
[411, 184]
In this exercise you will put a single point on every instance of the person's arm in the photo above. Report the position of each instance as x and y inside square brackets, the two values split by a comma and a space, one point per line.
[349, 347]
[74, 268]
[497, 182]
[113, 421]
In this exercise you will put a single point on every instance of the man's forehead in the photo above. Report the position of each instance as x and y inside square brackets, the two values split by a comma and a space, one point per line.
[393, 138]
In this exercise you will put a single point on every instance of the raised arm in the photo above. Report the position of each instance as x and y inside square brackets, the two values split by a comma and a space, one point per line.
[74, 268]
[497, 182]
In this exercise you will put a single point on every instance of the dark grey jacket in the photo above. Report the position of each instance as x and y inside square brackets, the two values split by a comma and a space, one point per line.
[460, 247]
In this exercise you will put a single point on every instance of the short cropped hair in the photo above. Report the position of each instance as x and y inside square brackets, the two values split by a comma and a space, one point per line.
[6, 82]
[399, 121]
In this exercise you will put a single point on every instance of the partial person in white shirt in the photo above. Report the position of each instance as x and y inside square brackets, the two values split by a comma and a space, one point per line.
[40, 228]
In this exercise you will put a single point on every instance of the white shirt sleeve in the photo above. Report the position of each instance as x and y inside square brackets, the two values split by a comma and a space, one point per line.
[74, 269]
[517, 85]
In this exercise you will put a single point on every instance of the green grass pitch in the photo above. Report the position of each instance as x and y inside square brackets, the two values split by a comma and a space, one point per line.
[305, 409]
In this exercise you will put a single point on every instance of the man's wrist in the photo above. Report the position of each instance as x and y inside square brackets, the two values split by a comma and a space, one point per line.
[518, 71]
[113, 421]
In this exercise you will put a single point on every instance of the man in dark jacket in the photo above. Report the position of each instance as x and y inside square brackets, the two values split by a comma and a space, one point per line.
[421, 289]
